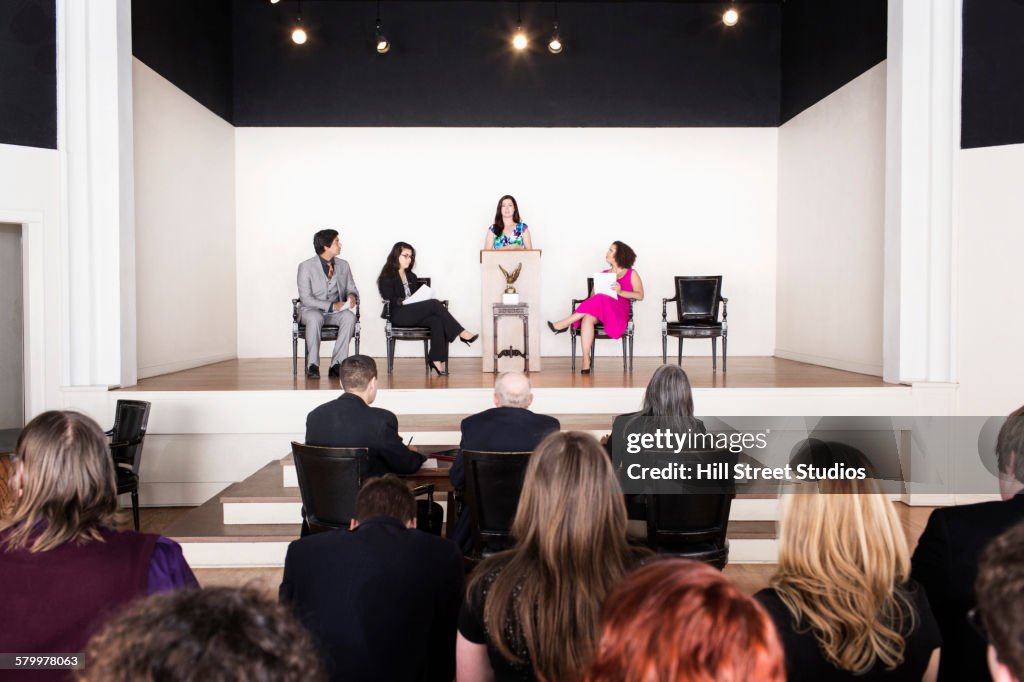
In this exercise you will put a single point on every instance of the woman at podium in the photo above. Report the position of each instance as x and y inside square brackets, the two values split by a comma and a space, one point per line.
[398, 282]
[613, 313]
[507, 232]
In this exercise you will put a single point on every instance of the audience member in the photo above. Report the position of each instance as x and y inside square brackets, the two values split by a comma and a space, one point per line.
[218, 634]
[509, 426]
[533, 611]
[946, 559]
[677, 620]
[64, 566]
[842, 598]
[328, 295]
[1000, 590]
[382, 598]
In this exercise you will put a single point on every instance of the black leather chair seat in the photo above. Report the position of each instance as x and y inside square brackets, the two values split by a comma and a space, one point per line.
[329, 332]
[409, 332]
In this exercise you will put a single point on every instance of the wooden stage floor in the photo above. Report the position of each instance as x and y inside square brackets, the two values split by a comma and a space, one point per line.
[275, 374]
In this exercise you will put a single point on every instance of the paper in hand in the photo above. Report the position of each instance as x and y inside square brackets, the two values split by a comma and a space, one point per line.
[603, 282]
[424, 293]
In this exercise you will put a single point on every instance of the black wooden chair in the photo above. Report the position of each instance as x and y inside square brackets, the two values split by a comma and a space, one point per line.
[393, 333]
[599, 333]
[131, 418]
[329, 481]
[691, 519]
[494, 481]
[696, 300]
[329, 332]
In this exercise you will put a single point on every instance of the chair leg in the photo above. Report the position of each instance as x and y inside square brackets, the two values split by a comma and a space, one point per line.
[390, 343]
[572, 339]
[426, 356]
[680, 360]
[295, 356]
[724, 342]
[593, 355]
[624, 344]
[630, 352]
[135, 508]
[664, 348]
[714, 354]
[357, 344]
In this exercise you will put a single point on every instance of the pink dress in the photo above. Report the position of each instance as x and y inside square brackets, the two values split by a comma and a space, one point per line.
[612, 312]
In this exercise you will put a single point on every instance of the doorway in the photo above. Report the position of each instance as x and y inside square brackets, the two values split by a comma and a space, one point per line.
[12, 336]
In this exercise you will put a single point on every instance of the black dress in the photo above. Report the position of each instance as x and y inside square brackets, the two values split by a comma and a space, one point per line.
[443, 327]
[806, 661]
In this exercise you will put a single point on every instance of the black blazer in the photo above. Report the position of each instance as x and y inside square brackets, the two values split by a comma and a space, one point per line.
[348, 422]
[392, 291]
[500, 429]
[946, 564]
[381, 601]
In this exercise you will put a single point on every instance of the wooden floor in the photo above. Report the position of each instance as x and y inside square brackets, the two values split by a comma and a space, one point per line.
[275, 374]
[749, 577]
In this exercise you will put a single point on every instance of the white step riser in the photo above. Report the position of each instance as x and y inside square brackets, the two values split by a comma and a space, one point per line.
[240, 513]
[271, 554]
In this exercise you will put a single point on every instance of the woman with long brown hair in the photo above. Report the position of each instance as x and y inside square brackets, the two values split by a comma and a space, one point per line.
[508, 231]
[842, 598]
[532, 612]
[59, 546]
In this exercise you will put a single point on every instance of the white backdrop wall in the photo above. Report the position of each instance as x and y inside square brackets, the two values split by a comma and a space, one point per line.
[689, 201]
[185, 228]
[830, 230]
[990, 253]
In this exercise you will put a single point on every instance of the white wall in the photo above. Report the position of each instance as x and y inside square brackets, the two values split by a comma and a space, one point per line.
[990, 259]
[689, 201]
[830, 231]
[185, 228]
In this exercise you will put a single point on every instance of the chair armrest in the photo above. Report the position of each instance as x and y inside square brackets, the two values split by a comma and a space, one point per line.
[127, 443]
[445, 303]
[725, 308]
[295, 310]
[427, 490]
[386, 313]
[358, 307]
[109, 434]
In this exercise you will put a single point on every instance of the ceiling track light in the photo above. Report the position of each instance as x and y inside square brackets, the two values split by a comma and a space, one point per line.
[519, 40]
[381, 41]
[555, 44]
[274, 2]
[731, 16]
[299, 36]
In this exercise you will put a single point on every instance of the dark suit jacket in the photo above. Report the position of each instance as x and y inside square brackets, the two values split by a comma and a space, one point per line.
[500, 429]
[392, 291]
[946, 564]
[348, 422]
[382, 600]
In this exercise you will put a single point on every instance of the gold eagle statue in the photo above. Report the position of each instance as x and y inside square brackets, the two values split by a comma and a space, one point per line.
[510, 279]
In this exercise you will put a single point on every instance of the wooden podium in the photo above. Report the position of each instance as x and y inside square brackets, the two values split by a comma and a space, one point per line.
[510, 329]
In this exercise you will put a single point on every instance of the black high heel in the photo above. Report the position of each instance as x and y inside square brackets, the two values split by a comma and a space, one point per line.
[552, 327]
[439, 372]
[470, 340]
[585, 371]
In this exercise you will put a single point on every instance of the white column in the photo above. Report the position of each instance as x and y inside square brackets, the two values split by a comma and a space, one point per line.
[922, 145]
[98, 223]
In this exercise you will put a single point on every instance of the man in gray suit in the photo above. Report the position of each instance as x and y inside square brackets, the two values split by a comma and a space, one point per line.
[328, 295]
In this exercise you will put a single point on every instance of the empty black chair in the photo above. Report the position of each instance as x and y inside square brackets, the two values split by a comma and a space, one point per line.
[691, 519]
[599, 333]
[393, 333]
[696, 300]
[494, 481]
[329, 332]
[131, 418]
[329, 481]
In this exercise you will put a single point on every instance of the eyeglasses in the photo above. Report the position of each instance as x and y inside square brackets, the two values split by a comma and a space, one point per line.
[977, 624]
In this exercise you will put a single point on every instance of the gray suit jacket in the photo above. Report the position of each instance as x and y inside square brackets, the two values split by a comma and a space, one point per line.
[312, 283]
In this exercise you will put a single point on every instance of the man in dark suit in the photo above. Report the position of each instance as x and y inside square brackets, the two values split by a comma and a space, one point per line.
[382, 598]
[509, 426]
[350, 422]
[946, 559]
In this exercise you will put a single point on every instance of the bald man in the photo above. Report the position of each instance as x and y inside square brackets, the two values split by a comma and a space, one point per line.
[509, 426]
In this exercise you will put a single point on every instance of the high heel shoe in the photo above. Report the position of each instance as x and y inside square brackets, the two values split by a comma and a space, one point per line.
[585, 371]
[551, 326]
[470, 340]
[439, 372]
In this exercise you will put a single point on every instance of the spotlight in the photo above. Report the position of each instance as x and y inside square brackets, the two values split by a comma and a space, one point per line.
[299, 36]
[730, 17]
[274, 2]
[519, 40]
[555, 44]
[382, 42]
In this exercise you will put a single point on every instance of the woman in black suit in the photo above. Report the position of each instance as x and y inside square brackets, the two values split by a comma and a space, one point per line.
[396, 282]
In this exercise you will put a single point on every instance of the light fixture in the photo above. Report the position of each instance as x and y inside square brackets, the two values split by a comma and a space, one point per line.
[555, 44]
[381, 41]
[274, 2]
[519, 39]
[299, 36]
[730, 17]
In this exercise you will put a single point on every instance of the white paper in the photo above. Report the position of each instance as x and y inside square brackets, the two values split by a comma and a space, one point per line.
[424, 293]
[429, 463]
[603, 282]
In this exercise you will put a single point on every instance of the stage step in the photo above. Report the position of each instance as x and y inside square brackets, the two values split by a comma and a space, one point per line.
[250, 523]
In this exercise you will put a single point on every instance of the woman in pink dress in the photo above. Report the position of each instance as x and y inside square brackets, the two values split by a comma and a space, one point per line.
[613, 313]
